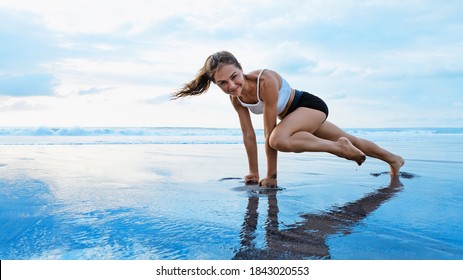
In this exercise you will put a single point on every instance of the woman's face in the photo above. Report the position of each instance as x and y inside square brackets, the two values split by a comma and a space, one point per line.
[230, 79]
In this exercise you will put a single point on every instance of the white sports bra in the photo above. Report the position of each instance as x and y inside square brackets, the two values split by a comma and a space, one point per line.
[283, 97]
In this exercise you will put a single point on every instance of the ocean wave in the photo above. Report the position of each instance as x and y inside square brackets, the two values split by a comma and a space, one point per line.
[192, 131]
[408, 131]
[186, 135]
[117, 131]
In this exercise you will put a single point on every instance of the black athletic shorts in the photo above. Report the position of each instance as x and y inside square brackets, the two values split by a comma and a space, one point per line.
[307, 100]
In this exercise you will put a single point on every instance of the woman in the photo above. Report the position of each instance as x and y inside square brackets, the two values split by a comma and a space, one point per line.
[303, 126]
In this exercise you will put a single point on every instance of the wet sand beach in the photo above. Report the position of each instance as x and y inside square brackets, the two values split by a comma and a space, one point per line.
[188, 201]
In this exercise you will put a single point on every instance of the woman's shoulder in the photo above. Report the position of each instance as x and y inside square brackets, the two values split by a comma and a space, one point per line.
[264, 71]
[266, 75]
[270, 78]
[269, 81]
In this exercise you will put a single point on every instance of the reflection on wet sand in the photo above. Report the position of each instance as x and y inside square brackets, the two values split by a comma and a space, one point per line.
[306, 239]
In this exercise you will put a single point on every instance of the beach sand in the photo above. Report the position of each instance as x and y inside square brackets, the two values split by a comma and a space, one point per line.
[189, 202]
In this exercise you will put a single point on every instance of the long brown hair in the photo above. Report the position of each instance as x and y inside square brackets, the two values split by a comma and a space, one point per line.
[205, 75]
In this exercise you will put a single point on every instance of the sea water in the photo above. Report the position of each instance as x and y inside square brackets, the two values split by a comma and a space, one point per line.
[178, 193]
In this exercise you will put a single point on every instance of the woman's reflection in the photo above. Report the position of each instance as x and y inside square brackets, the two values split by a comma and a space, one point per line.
[306, 239]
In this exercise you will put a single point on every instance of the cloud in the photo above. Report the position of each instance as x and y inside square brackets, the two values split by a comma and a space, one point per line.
[158, 100]
[449, 73]
[288, 58]
[27, 85]
[8, 105]
[24, 43]
[94, 90]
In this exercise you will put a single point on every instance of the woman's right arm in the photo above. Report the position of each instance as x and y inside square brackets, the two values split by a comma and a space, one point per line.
[250, 142]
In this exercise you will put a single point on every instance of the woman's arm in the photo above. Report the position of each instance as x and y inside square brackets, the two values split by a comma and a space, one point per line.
[250, 142]
[269, 88]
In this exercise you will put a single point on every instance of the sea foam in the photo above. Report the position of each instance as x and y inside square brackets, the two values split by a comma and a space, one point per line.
[185, 135]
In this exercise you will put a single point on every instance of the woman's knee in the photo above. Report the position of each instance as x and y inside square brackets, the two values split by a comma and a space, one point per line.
[279, 141]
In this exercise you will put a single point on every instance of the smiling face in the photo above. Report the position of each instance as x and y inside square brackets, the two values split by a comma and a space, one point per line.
[230, 79]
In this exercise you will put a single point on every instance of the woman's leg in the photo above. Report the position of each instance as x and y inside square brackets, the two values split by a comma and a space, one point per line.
[295, 133]
[305, 130]
[331, 132]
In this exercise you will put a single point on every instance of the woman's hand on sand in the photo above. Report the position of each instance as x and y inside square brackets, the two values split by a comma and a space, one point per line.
[251, 178]
[268, 183]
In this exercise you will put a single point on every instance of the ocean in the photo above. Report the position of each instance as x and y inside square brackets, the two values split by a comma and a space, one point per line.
[189, 135]
[178, 194]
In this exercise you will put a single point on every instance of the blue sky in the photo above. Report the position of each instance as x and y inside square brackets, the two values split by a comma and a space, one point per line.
[114, 63]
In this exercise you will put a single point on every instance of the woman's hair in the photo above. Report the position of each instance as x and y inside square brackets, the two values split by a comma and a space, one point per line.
[206, 74]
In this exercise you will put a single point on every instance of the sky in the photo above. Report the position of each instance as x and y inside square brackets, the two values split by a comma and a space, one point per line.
[114, 63]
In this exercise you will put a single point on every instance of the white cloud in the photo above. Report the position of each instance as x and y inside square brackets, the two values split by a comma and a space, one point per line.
[9, 104]
[88, 16]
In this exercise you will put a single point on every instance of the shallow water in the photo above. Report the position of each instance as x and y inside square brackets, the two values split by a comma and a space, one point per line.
[171, 201]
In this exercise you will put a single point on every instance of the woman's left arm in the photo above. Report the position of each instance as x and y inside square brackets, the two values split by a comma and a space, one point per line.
[269, 95]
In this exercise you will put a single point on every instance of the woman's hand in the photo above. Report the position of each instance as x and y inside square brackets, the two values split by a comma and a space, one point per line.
[251, 178]
[268, 183]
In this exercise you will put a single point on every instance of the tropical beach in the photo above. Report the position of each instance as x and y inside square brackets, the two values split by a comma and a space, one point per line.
[97, 162]
[179, 194]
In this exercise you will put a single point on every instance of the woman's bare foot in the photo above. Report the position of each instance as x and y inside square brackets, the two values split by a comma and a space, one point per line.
[396, 164]
[350, 152]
